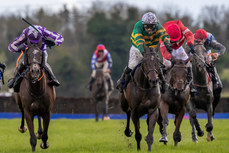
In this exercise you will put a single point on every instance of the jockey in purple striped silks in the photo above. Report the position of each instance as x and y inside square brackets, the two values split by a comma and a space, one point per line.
[30, 34]
[101, 57]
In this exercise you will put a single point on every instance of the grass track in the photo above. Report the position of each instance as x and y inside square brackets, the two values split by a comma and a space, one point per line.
[87, 136]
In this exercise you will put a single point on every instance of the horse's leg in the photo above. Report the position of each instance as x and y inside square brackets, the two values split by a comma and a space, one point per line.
[22, 128]
[152, 119]
[125, 108]
[40, 130]
[178, 120]
[138, 136]
[164, 109]
[46, 120]
[209, 125]
[194, 122]
[29, 120]
[96, 111]
[159, 121]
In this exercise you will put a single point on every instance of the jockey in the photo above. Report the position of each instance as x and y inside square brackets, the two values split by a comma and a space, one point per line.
[47, 37]
[101, 59]
[148, 31]
[211, 43]
[178, 33]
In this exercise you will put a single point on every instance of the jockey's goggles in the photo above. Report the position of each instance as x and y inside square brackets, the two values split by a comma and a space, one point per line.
[149, 26]
[100, 51]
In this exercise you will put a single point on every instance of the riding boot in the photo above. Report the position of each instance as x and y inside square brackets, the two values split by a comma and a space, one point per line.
[123, 81]
[193, 91]
[91, 82]
[53, 81]
[216, 80]
[14, 81]
[109, 85]
[163, 82]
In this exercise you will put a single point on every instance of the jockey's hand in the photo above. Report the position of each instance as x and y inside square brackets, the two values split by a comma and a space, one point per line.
[191, 49]
[22, 48]
[108, 71]
[49, 43]
[215, 55]
[169, 49]
[3, 66]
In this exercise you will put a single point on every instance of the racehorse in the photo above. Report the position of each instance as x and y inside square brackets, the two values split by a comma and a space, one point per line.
[35, 97]
[142, 96]
[174, 99]
[204, 98]
[100, 93]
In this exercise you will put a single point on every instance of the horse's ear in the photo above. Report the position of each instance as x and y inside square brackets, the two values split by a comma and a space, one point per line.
[146, 49]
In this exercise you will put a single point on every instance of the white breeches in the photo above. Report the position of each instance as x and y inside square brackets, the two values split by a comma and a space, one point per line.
[178, 54]
[135, 57]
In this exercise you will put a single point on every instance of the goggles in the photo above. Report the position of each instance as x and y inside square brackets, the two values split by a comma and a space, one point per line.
[149, 26]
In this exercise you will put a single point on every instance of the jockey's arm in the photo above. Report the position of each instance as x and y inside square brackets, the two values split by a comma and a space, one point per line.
[109, 60]
[13, 46]
[55, 37]
[93, 61]
[218, 46]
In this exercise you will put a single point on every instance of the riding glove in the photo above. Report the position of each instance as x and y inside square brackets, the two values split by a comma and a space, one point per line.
[191, 49]
[49, 43]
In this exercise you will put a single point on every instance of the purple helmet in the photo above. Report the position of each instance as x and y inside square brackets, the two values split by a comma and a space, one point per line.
[34, 36]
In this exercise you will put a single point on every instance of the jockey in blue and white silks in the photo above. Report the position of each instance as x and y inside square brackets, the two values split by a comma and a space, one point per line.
[101, 59]
[31, 35]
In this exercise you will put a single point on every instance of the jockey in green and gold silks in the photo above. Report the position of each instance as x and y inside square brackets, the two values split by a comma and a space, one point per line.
[147, 31]
[140, 36]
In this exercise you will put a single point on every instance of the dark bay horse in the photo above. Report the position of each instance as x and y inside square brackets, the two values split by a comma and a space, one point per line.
[100, 94]
[174, 99]
[142, 96]
[204, 98]
[35, 97]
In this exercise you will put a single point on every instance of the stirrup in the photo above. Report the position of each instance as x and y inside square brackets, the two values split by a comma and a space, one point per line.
[11, 83]
[54, 83]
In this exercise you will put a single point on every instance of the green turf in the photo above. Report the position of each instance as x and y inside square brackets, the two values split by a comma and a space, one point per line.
[87, 136]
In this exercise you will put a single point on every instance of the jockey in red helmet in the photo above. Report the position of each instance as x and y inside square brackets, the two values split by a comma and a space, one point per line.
[211, 43]
[178, 33]
[101, 57]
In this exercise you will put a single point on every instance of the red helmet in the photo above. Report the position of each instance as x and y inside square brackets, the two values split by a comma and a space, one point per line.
[100, 47]
[200, 34]
[174, 32]
[34, 36]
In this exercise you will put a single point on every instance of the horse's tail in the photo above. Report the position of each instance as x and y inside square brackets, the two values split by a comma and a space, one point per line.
[34, 107]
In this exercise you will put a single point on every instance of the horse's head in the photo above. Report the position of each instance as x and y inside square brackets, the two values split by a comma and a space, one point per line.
[150, 65]
[35, 61]
[99, 78]
[200, 52]
[178, 74]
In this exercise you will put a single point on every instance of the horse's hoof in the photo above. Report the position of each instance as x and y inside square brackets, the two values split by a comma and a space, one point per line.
[128, 133]
[200, 133]
[22, 130]
[194, 139]
[210, 137]
[43, 145]
[38, 135]
[175, 143]
[163, 139]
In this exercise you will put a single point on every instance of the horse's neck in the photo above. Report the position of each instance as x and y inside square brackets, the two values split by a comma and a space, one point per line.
[39, 87]
[199, 75]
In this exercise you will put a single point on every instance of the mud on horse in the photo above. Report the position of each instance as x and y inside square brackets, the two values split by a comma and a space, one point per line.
[142, 96]
[35, 97]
